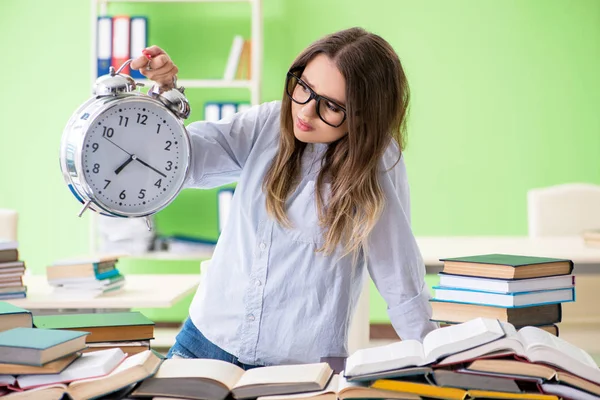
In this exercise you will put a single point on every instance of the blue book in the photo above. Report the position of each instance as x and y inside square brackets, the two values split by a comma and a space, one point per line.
[507, 300]
[104, 44]
[34, 346]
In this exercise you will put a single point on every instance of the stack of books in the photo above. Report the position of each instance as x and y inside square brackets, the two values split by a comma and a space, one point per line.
[521, 290]
[129, 331]
[85, 277]
[49, 364]
[11, 271]
[591, 238]
[482, 358]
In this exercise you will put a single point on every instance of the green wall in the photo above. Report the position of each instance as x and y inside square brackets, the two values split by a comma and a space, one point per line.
[505, 98]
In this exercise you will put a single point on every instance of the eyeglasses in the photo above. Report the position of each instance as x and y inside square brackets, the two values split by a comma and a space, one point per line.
[328, 110]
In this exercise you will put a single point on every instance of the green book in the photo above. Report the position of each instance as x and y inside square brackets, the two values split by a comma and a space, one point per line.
[506, 266]
[32, 346]
[103, 327]
[14, 317]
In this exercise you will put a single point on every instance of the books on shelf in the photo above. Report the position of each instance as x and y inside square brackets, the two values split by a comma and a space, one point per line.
[12, 270]
[207, 379]
[234, 57]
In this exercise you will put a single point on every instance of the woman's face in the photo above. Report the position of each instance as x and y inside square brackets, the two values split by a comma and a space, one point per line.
[323, 77]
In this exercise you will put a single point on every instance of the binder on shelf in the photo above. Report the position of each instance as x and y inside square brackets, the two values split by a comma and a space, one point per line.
[245, 64]
[243, 107]
[120, 42]
[234, 58]
[104, 45]
[225, 196]
[139, 41]
[212, 112]
[228, 110]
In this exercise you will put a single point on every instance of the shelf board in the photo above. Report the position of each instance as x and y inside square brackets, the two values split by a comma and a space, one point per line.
[206, 83]
[175, 1]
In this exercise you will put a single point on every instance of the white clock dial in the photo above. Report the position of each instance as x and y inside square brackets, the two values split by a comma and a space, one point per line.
[134, 157]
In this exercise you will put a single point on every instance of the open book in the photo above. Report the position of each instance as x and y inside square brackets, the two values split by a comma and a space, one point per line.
[436, 344]
[132, 369]
[535, 345]
[215, 379]
[340, 388]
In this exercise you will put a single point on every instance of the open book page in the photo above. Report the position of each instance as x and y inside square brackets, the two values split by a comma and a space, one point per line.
[329, 393]
[223, 372]
[89, 365]
[279, 374]
[50, 392]
[449, 340]
[382, 358]
[500, 347]
[6, 380]
[542, 346]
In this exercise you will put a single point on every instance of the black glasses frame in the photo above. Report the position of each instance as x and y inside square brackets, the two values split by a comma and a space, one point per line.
[313, 95]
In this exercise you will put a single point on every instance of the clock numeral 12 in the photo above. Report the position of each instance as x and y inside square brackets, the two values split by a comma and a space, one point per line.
[142, 118]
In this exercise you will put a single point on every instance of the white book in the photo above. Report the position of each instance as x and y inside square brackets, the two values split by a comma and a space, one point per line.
[89, 365]
[228, 110]
[436, 344]
[504, 299]
[234, 58]
[506, 286]
[538, 346]
[243, 107]
[212, 112]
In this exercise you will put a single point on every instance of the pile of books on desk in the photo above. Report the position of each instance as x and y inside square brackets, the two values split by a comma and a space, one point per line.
[481, 358]
[11, 271]
[521, 290]
[85, 277]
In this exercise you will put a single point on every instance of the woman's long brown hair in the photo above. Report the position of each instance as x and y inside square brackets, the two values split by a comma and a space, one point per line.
[377, 97]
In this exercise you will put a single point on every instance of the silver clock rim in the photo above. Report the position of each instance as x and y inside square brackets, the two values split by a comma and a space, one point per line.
[72, 162]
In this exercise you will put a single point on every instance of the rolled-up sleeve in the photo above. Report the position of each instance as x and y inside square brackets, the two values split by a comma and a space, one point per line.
[219, 150]
[395, 263]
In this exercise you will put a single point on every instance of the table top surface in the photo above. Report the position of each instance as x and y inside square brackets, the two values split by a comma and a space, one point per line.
[140, 291]
[433, 248]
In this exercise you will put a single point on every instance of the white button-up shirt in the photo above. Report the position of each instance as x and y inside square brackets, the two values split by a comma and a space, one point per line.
[268, 297]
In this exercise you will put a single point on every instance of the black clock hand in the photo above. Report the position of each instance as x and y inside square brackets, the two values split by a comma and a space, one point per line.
[106, 137]
[151, 167]
[120, 168]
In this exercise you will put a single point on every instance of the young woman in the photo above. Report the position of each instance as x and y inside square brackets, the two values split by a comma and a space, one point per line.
[322, 192]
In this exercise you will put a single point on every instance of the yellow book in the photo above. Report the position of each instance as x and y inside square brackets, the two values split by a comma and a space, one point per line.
[423, 389]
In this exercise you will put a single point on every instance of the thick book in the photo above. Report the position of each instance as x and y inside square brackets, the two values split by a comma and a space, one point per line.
[103, 327]
[553, 329]
[516, 369]
[509, 300]
[436, 344]
[340, 388]
[452, 312]
[506, 266]
[534, 345]
[8, 244]
[207, 379]
[449, 393]
[14, 317]
[127, 347]
[53, 367]
[506, 285]
[9, 255]
[33, 346]
[130, 371]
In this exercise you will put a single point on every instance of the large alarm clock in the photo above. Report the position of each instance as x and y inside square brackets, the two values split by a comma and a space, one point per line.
[125, 153]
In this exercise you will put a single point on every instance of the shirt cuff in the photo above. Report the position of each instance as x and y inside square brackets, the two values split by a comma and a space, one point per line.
[411, 318]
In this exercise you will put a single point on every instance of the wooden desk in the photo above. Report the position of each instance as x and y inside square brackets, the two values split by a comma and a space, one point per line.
[140, 291]
[586, 259]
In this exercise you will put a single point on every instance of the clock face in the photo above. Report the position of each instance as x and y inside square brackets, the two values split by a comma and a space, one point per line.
[134, 157]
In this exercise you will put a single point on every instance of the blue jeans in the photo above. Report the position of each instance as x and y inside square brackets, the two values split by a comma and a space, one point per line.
[191, 343]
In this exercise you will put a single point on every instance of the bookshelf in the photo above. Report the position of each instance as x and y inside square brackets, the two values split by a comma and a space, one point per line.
[253, 85]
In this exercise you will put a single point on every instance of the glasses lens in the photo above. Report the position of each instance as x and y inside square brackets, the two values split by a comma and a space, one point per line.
[297, 90]
[330, 112]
